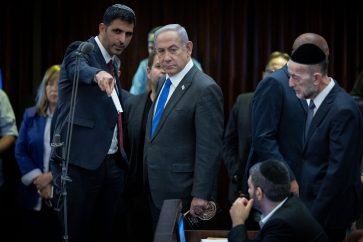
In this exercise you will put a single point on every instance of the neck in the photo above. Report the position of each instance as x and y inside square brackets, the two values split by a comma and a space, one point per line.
[152, 94]
[51, 108]
[268, 206]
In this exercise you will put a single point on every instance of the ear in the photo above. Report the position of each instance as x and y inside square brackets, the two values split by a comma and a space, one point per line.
[189, 46]
[259, 193]
[148, 70]
[101, 28]
[317, 78]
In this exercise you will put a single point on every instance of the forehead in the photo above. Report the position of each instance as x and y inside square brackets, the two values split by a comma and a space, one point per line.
[167, 38]
[296, 68]
[249, 181]
[123, 25]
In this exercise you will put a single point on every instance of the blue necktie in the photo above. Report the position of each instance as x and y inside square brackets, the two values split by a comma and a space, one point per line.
[160, 108]
[309, 117]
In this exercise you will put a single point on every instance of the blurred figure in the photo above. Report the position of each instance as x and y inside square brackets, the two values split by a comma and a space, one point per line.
[357, 94]
[330, 184]
[136, 113]
[237, 135]
[183, 140]
[32, 152]
[284, 216]
[276, 61]
[8, 134]
[97, 160]
[139, 81]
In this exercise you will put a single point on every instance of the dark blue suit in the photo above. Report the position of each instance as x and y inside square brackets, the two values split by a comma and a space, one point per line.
[278, 121]
[97, 179]
[237, 143]
[95, 114]
[29, 152]
[330, 178]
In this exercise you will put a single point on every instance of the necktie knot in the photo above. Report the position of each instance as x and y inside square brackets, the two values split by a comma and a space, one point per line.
[111, 67]
[311, 105]
[167, 83]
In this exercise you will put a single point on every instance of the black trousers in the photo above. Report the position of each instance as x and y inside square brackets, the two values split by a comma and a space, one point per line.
[93, 200]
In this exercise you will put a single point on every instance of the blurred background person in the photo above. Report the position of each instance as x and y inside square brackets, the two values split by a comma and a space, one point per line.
[136, 113]
[237, 134]
[357, 94]
[8, 135]
[32, 151]
[139, 81]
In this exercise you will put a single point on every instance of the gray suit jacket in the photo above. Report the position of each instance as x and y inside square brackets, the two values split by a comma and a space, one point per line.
[183, 158]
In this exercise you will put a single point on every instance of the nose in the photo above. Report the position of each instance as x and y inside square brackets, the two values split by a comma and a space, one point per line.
[291, 82]
[122, 38]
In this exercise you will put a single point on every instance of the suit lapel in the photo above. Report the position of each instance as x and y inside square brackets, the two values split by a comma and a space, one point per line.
[179, 91]
[322, 111]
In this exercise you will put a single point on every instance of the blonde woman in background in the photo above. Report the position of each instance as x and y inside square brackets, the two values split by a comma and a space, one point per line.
[32, 154]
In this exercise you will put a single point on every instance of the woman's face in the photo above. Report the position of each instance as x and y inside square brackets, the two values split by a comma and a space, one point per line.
[155, 72]
[52, 89]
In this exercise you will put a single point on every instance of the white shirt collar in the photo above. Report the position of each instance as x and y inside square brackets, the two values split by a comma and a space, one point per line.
[264, 219]
[176, 79]
[318, 100]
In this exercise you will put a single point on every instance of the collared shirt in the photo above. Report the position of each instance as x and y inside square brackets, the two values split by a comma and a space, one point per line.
[7, 123]
[46, 143]
[318, 100]
[265, 218]
[175, 80]
[113, 148]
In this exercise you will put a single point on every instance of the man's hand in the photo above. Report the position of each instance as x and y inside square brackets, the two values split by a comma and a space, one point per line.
[240, 210]
[294, 187]
[197, 206]
[105, 82]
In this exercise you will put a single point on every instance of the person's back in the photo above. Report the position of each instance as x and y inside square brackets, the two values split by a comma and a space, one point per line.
[237, 136]
[298, 221]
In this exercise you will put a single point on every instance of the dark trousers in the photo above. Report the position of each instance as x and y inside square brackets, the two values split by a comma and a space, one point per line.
[335, 235]
[41, 226]
[138, 216]
[93, 200]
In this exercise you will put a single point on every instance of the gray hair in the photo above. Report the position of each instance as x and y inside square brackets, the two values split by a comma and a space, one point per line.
[174, 27]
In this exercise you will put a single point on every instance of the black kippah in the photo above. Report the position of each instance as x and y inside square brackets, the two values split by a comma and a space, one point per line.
[275, 172]
[308, 54]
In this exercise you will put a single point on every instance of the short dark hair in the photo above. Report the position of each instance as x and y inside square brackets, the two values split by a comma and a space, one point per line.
[119, 11]
[272, 177]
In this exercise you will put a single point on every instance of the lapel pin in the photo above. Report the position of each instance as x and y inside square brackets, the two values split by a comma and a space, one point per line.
[183, 87]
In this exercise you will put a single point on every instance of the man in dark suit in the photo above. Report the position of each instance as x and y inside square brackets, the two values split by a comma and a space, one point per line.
[237, 134]
[278, 120]
[284, 216]
[96, 165]
[183, 149]
[330, 175]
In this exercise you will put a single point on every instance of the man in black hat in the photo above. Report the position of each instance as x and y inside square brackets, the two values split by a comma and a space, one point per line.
[330, 173]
